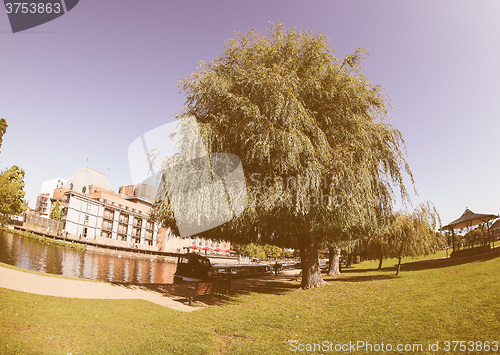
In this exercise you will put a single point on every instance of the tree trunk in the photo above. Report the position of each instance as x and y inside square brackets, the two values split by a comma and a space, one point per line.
[349, 260]
[399, 266]
[311, 274]
[334, 261]
[380, 262]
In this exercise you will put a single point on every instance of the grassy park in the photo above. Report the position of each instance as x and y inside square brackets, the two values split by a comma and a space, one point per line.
[434, 300]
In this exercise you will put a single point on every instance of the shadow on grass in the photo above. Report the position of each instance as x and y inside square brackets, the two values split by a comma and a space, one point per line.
[359, 278]
[267, 285]
[433, 263]
[447, 262]
[283, 284]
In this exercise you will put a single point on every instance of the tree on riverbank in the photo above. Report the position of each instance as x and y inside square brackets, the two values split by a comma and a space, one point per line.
[57, 212]
[11, 187]
[309, 130]
[11, 193]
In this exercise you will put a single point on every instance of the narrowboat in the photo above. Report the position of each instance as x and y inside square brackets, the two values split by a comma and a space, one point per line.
[192, 267]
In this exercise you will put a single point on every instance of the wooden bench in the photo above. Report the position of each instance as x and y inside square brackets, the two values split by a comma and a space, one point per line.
[207, 289]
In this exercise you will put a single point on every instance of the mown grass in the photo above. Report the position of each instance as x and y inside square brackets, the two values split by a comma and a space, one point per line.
[450, 302]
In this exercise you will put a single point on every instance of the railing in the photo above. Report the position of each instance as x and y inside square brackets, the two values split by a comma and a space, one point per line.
[42, 223]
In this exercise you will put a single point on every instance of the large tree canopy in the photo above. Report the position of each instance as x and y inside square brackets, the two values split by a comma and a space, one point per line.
[310, 130]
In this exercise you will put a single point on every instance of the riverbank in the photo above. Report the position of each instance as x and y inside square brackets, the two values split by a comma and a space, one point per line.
[42, 238]
[430, 302]
[48, 285]
[89, 244]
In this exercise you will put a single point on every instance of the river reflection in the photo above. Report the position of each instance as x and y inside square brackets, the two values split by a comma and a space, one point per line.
[53, 259]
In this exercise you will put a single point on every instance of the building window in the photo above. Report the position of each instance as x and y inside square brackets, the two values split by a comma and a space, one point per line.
[108, 214]
[107, 225]
[122, 228]
[84, 188]
[123, 218]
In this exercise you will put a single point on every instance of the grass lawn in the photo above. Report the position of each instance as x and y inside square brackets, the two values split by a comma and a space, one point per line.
[429, 302]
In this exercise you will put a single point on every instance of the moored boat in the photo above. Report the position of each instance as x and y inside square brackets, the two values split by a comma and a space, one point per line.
[192, 267]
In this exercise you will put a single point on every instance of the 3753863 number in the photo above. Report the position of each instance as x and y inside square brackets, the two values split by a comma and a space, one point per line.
[32, 8]
[474, 346]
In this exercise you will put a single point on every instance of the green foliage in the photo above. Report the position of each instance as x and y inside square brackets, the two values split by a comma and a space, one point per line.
[413, 234]
[57, 212]
[273, 251]
[251, 250]
[261, 252]
[475, 236]
[303, 121]
[11, 193]
[309, 129]
[47, 240]
[3, 129]
[289, 254]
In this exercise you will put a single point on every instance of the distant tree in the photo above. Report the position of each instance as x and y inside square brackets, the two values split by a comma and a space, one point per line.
[11, 193]
[3, 129]
[289, 254]
[334, 255]
[474, 237]
[273, 251]
[377, 244]
[252, 251]
[413, 234]
[57, 212]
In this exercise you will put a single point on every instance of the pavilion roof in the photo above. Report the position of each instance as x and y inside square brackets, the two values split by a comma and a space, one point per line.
[469, 219]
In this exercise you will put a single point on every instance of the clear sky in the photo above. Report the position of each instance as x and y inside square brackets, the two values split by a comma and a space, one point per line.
[85, 85]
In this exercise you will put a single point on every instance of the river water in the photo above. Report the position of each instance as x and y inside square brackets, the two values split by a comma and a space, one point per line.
[54, 259]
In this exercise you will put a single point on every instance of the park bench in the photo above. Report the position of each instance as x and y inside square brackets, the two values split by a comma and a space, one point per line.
[201, 289]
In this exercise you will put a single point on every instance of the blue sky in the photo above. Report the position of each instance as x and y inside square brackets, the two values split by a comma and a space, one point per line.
[85, 85]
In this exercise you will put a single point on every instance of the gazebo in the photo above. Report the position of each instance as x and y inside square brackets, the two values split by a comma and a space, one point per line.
[467, 220]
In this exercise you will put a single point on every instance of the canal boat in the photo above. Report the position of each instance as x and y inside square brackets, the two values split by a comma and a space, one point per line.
[193, 267]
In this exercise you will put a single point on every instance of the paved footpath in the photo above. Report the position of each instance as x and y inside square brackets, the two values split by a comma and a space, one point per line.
[72, 288]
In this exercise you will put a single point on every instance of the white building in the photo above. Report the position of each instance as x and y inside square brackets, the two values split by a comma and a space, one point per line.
[93, 211]
[43, 200]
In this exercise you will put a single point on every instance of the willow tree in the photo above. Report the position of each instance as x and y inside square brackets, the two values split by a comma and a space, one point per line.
[413, 234]
[310, 131]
